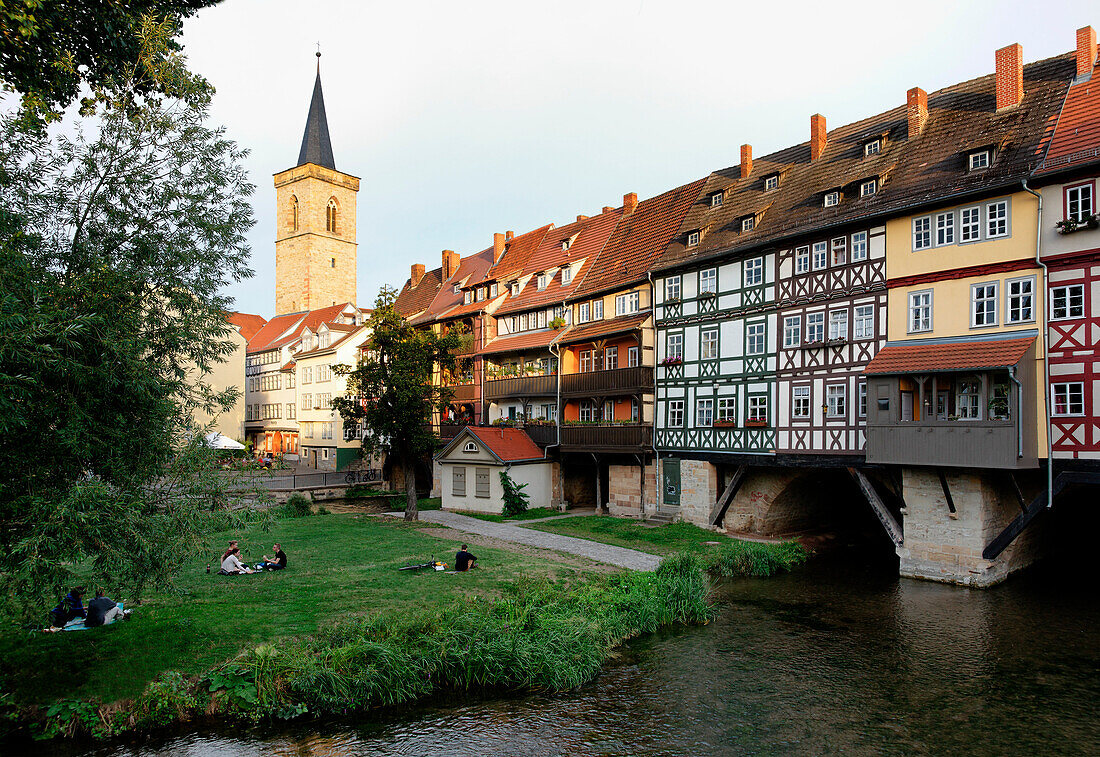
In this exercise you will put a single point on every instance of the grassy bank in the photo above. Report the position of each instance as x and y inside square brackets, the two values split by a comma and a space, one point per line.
[533, 514]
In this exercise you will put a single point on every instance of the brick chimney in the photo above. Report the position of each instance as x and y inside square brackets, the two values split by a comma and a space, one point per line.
[817, 136]
[508, 236]
[607, 209]
[630, 201]
[582, 218]
[417, 274]
[916, 107]
[498, 246]
[451, 259]
[1010, 76]
[1086, 51]
[746, 160]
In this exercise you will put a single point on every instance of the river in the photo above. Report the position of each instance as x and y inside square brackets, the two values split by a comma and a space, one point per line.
[838, 657]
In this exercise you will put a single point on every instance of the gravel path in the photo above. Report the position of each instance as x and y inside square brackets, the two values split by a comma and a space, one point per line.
[605, 553]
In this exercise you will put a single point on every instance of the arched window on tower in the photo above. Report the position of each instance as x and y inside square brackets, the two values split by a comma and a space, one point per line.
[293, 213]
[330, 216]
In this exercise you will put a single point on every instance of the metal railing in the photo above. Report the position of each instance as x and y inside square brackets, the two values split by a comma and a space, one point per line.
[296, 481]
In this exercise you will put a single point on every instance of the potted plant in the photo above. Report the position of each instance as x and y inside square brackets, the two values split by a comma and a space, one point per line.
[706, 295]
[756, 423]
[1070, 225]
[556, 323]
[673, 360]
[725, 423]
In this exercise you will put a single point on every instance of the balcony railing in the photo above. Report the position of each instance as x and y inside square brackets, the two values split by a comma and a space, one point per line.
[464, 392]
[521, 386]
[449, 430]
[542, 435]
[619, 438]
[602, 383]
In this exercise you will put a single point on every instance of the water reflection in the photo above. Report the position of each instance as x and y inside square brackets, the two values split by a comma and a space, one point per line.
[838, 658]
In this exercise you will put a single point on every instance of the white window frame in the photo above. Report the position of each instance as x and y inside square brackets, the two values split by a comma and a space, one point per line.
[792, 331]
[674, 345]
[566, 275]
[716, 200]
[861, 402]
[704, 412]
[757, 407]
[756, 338]
[978, 160]
[839, 251]
[868, 188]
[996, 219]
[633, 355]
[1084, 195]
[467, 297]
[945, 229]
[815, 327]
[984, 304]
[597, 310]
[754, 271]
[838, 324]
[583, 316]
[727, 409]
[1072, 393]
[915, 301]
[970, 224]
[748, 223]
[610, 358]
[872, 147]
[1066, 294]
[672, 288]
[863, 322]
[1014, 299]
[708, 343]
[859, 246]
[626, 304]
[820, 256]
[708, 281]
[832, 199]
[540, 282]
[922, 233]
[802, 260]
[693, 239]
[674, 416]
[801, 396]
[836, 400]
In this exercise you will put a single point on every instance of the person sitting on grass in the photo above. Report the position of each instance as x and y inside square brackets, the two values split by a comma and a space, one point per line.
[278, 562]
[232, 565]
[103, 611]
[464, 560]
[72, 606]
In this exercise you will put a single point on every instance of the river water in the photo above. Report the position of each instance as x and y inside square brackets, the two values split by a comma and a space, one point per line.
[839, 657]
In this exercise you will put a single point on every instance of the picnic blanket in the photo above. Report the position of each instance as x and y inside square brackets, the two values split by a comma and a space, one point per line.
[77, 624]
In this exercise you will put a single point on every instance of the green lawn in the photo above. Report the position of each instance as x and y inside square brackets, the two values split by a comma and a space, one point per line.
[532, 514]
[339, 565]
[633, 534]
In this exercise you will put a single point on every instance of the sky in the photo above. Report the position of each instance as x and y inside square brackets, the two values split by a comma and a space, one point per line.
[465, 119]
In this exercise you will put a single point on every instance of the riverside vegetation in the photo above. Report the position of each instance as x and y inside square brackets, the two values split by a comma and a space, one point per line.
[343, 630]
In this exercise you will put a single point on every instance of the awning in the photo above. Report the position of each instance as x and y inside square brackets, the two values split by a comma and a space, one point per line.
[527, 341]
[951, 356]
[217, 441]
[600, 329]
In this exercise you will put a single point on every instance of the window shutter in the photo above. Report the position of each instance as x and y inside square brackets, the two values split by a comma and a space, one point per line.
[459, 481]
[481, 482]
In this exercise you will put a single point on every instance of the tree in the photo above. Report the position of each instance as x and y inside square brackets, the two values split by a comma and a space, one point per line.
[49, 49]
[391, 390]
[114, 247]
[515, 498]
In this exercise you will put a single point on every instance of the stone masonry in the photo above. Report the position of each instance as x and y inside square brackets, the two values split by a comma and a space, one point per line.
[698, 491]
[625, 490]
[314, 267]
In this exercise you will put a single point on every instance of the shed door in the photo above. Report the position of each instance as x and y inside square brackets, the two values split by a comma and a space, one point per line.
[670, 481]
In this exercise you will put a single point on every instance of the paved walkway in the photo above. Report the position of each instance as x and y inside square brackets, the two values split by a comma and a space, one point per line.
[605, 553]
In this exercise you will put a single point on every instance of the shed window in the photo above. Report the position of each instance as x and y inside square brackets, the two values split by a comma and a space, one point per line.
[458, 481]
[481, 483]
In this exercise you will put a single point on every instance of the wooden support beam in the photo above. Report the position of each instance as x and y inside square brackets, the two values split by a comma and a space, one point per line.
[885, 517]
[1037, 506]
[723, 503]
[1015, 486]
[947, 492]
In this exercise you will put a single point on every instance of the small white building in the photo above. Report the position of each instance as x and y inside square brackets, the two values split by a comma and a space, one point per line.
[474, 459]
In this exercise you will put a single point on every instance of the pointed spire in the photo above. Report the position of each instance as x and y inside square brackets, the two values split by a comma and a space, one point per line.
[316, 146]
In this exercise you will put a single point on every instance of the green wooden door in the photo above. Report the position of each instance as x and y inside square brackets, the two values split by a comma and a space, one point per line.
[670, 481]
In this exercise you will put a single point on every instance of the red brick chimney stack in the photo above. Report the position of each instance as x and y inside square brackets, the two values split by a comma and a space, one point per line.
[746, 161]
[498, 246]
[607, 209]
[1086, 51]
[1010, 76]
[417, 274]
[508, 236]
[582, 218]
[630, 201]
[916, 107]
[451, 259]
[817, 136]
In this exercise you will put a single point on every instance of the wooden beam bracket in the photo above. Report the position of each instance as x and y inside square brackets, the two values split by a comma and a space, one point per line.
[947, 494]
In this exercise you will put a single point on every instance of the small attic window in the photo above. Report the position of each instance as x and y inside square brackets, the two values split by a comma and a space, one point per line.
[748, 223]
[693, 238]
[493, 289]
[832, 199]
[771, 182]
[716, 200]
[514, 288]
[541, 281]
[872, 146]
[469, 447]
[868, 188]
[468, 297]
[566, 275]
[456, 288]
[979, 160]
[566, 244]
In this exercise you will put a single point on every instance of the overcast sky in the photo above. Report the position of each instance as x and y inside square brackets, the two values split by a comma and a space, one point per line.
[463, 119]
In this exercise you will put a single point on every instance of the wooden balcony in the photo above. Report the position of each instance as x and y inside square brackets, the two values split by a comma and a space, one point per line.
[464, 392]
[624, 438]
[637, 380]
[521, 386]
[449, 430]
[542, 435]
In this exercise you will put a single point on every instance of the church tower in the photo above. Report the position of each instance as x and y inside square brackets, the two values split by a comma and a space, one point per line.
[314, 222]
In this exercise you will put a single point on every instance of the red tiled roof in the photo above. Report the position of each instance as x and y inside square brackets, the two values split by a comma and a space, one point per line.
[414, 299]
[471, 269]
[521, 342]
[332, 345]
[592, 235]
[247, 323]
[1077, 136]
[274, 330]
[517, 253]
[314, 318]
[963, 355]
[509, 444]
[591, 331]
[639, 240]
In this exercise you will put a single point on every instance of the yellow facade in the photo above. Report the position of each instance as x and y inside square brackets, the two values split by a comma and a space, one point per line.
[315, 266]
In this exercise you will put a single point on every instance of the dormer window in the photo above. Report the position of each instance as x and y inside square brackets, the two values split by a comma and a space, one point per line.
[979, 160]
[566, 244]
[493, 289]
[832, 198]
[457, 288]
[693, 238]
[872, 147]
[748, 223]
[324, 340]
[468, 297]
[514, 288]
[716, 200]
[541, 281]
[566, 275]
[771, 182]
[480, 294]
[868, 188]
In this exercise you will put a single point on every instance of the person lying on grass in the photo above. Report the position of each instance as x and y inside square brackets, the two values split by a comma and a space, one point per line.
[278, 562]
[464, 560]
[232, 565]
[103, 611]
[71, 606]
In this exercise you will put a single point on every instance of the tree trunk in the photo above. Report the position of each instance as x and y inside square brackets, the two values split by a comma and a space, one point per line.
[410, 491]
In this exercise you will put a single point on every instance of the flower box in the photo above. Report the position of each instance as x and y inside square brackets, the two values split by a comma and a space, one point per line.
[672, 361]
[756, 423]
[725, 424]
[1071, 225]
[707, 295]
